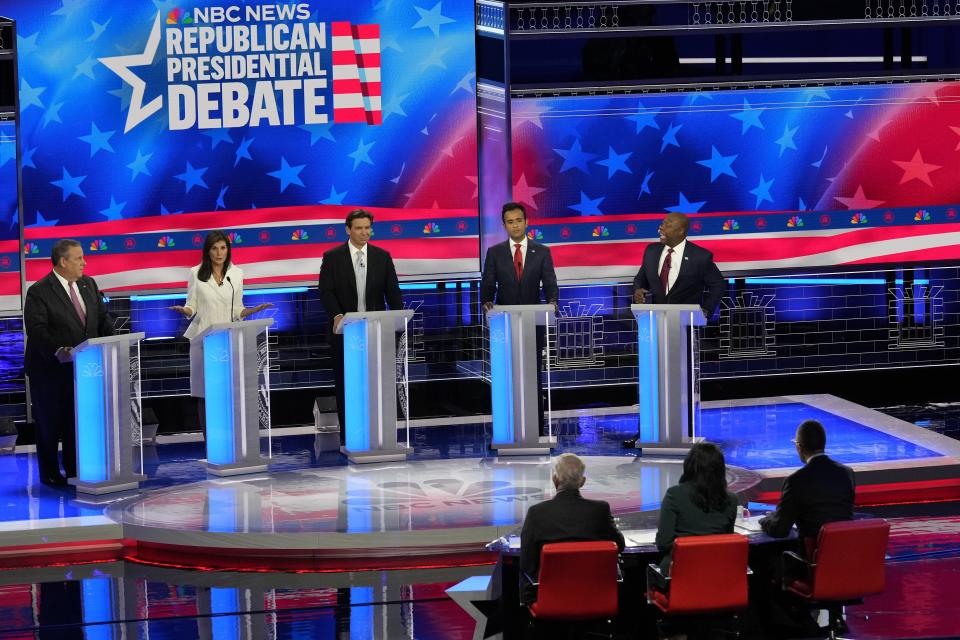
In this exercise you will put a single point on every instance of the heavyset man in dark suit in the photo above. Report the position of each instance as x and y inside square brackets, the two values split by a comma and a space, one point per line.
[513, 273]
[567, 517]
[355, 276]
[821, 491]
[62, 309]
[676, 271]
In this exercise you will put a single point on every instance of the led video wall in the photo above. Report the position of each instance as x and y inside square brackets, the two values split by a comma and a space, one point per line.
[147, 123]
[9, 219]
[772, 179]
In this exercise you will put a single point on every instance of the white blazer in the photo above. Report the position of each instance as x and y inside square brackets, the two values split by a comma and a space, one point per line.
[211, 303]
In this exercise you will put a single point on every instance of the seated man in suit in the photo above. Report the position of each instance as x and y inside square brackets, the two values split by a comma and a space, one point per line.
[566, 517]
[819, 492]
[676, 271]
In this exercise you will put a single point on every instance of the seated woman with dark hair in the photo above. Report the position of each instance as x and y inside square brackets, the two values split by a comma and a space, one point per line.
[700, 504]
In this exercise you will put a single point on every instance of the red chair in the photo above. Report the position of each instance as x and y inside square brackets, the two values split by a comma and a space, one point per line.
[577, 582]
[847, 564]
[708, 576]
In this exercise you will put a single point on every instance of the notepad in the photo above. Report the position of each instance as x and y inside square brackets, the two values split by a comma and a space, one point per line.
[750, 525]
[640, 537]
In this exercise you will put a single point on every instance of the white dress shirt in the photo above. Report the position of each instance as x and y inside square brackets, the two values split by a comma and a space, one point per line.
[361, 295]
[675, 261]
[66, 287]
[523, 250]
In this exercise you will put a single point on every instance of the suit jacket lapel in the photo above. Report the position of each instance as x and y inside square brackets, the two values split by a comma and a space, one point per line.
[353, 272]
[532, 256]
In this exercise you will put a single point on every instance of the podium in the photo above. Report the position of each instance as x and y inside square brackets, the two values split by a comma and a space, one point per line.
[104, 416]
[370, 385]
[232, 397]
[668, 376]
[513, 378]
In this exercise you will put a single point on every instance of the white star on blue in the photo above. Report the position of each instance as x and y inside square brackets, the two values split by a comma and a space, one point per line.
[361, 154]
[243, 151]
[30, 96]
[645, 187]
[670, 137]
[98, 139]
[719, 165]
[575, 157]
[334, 197]
[786, 140]
[70, 185]
[762, 191]
[431, 19]
[588, 207]
[217, 136]
[192, 178]
[685, 206]
[287, 174]
[748, 117]
[115, 210]
[139, 165]
[616, 162]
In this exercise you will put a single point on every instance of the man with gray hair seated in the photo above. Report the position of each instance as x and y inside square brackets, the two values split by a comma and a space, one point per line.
[567, 517]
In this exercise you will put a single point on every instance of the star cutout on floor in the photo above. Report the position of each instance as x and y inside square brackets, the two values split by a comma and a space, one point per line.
[243, 151]
[217, 136]
[287, 174]
[575, 157]
[361, 154]
[762, 191]
[70, 185]
[916, 169]
[670, 137]
[115, 210]
[748, 117]
[334, 197]
[98, 139]
[587, 206]
[645, 187]
[786, 140]
[859, 200]
[525, 193]
[139, 165]
[52, 114]
[192, 177]
[719, 165]
[431, 19]
[30, 96]
[616, 162]
[685, 206]
[318, 131]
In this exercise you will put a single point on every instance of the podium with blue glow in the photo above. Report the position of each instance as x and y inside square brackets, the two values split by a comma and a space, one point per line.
[513, 378]
[370, 385]
[105, 420]
[668, 376]
[235, 404]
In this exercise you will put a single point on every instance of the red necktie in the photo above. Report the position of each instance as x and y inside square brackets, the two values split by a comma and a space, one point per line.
[518, 260]
[665, 271]
[76, 304]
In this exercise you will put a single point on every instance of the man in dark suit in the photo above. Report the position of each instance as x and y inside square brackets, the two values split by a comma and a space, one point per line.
[821, 491]
[567, 517]
[355, 276]
[676, 271]
[513, 273]
[62, 309]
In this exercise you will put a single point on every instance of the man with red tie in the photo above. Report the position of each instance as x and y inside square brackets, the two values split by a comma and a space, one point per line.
[61, 310]
[514, 272]
[676, 271]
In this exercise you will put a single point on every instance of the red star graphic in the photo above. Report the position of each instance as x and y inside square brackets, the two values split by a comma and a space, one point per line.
[956, 130]
[859, 201]
[916, 169]
[474, 180]
[523, 192]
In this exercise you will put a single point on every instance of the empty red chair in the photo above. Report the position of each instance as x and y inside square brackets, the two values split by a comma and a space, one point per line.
[578, 581]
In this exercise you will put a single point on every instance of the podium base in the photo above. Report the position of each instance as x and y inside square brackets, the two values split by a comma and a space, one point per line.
[238, 468]
[541, 447]
[668, 448]
[108, 486]
[398, 454]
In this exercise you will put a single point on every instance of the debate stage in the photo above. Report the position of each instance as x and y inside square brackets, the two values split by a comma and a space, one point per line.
[451, 498]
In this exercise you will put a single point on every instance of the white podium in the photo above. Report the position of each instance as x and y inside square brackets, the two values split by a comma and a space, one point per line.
[104, 415]
[513, 378]
[232, 396]
[668, 376]
[370, 385]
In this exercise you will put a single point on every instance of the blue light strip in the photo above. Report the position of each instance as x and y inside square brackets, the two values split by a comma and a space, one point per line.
[218, 392]
[356, 391]
[225, 605]
[96, 608]
[900, 281]
[418, 286]
[501, 378]
[222, 509]
[648, 383]
[246, 292]
[91, 415]
[159, 296]
[795, 281]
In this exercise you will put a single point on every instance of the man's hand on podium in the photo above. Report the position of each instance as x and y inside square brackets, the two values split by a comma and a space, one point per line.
[337, 321]
[487, 306]
[65, 354]
[639, 295]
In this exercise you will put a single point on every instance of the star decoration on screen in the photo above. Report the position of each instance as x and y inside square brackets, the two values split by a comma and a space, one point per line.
[120, 65]
[916, 169]
[718, 164]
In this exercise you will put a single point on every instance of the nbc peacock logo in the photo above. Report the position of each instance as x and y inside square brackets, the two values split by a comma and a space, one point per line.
[730, 225]
[174, 17]
[794, 221]
[922, 215]
[300, 234]
[535, 234]
[431, 227]
[30, 248]
[98, 245]
[165, 242]
[858, 218]
[235, 238]
[600, 231]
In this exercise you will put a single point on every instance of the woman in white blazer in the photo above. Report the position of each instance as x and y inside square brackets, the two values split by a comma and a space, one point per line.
[214, 294]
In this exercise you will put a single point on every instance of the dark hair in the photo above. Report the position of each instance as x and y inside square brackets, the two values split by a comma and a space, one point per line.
[60, 250]
[512, 206]
[811, 436]
[358, 213]
[206, 266]
[705, 470]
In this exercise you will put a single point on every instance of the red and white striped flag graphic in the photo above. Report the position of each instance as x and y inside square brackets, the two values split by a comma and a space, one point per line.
[356, 72]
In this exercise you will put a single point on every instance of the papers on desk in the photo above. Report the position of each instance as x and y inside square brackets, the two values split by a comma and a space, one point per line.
[639, 537]
[748, 525]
